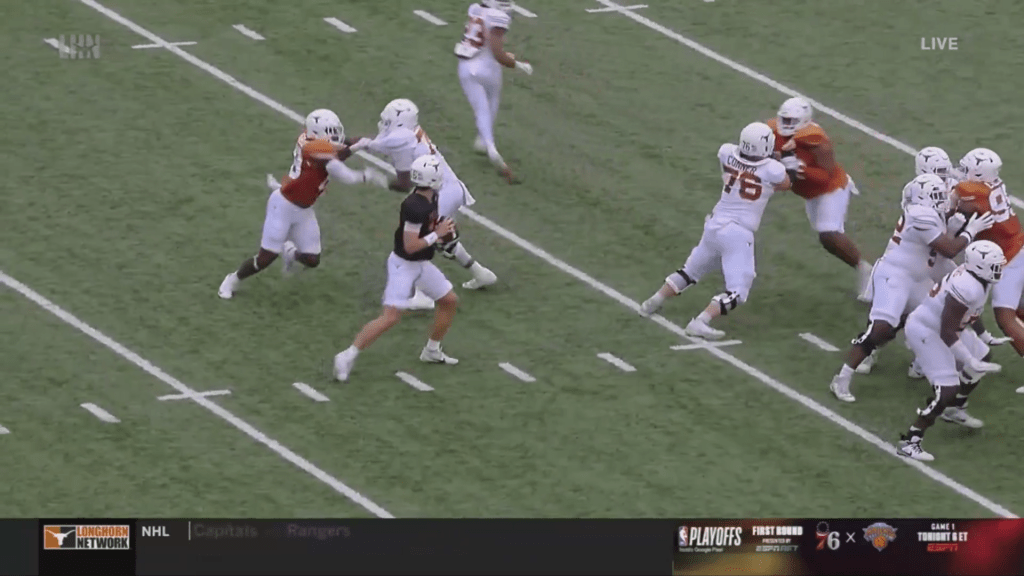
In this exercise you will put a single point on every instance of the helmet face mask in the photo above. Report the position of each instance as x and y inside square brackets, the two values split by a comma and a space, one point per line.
[985, 260]
[322, 124]
[981, 165]
[927, 190]
[794, 115]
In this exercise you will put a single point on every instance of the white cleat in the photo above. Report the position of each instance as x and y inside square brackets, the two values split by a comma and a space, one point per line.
[479, 145]
[914, 373]
[699, 329]
[961, 417]
[1020, 390]
[288, 258]
[272, 182]
[500, 164]
[987, 367]
[649, 307]
[868, 363]
[482, 277]
[228, 286]
[912, 449]
[841, 389]
[343, 363]
[420, 301]
[436, 357]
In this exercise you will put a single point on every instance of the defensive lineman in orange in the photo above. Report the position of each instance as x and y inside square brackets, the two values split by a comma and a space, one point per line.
[808, 155]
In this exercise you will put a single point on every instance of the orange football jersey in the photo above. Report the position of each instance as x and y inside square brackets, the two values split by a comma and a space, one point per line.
[806, 138]
[1006, 232]
[304, 189]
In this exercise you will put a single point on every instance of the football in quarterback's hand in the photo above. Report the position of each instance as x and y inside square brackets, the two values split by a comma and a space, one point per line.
[451, 236]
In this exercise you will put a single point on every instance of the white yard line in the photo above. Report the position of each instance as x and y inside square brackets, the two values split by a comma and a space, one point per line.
[429, 17]
[702, 344]
[340, 25]
[56, 44]
[223, 414]
[100, 413]
[145, 46]
[413, 381]
[616, 361]
[523, 11]
[516, 372]
[311, 392]
[818, 342]
[818, 106]
[608, 291]
[616, 9]
[248, 32]
[192, 396]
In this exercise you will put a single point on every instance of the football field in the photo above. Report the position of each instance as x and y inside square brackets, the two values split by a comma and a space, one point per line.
[135, 181]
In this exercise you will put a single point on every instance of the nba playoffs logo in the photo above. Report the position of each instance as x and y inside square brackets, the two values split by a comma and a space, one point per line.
[683, 541]
[88, 537]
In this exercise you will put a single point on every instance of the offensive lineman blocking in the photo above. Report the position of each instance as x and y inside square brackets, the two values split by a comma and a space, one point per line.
[409, 265]
[751, 177]
[401, 140]
[482, 56]
[933, 333]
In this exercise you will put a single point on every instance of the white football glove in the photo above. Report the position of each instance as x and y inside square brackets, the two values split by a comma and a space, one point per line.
[524, 67]
[992, 340]
[792, 163]
[272, 182]
[375, 177]
[853, 187]
[979, 223]
[961, 353]
[362, 143]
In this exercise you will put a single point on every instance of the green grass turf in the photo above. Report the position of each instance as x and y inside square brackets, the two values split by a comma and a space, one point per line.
[150, 190]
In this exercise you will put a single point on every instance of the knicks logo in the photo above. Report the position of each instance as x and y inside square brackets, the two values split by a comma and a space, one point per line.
[880, 535]
[87, 537]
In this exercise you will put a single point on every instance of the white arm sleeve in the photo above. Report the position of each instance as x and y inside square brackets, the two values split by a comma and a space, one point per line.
[342, 173]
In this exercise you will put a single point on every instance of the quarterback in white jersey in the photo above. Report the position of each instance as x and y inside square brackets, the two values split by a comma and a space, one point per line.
[482, 55]
[750, 176]
[402, 140]
[933, 333]
[901, 278]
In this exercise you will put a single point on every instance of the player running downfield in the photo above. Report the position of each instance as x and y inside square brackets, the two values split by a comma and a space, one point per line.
[751, 176]
[482, 57]
[290, 226]
[401, 140]
[809, 156]
[902, 276]
[933, 333]
[409, 264]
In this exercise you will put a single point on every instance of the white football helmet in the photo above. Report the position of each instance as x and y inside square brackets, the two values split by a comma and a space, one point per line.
[933, 160]
[503, 5]
[323, 124]
[400, 113]
[793, 115]
[757, 141]
[981, 165]
[927, 190]
[426, 172]
[985, 260]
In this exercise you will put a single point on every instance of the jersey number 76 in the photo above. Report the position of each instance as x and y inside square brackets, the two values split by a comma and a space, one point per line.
[749, 184]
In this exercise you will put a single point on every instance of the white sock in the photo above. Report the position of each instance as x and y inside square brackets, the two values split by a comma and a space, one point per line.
[433, 345]
[463, 257]
[704, 317]
[233, 277]
[353, 350]
[864, 266]
[846, 372]
[657, 299]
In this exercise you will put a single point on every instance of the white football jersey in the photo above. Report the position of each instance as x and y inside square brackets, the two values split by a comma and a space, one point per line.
[909, 249]
[402, 146]
[961, 285]
[747, 188]
[482, 20]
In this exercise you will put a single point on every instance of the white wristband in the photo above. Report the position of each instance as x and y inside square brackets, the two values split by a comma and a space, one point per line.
[968, 235]
[431, 238]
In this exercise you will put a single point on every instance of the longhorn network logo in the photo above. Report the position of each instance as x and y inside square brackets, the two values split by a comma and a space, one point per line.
[86, 537]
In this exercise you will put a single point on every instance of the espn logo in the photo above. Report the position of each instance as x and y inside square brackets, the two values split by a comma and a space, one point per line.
[88, 537]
